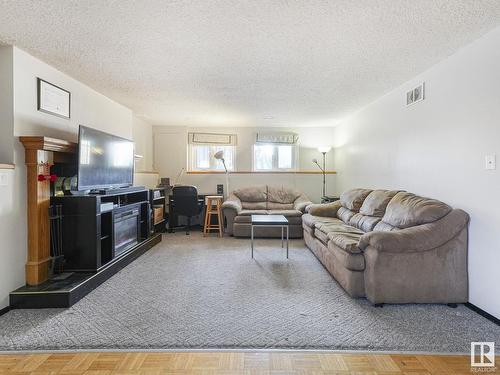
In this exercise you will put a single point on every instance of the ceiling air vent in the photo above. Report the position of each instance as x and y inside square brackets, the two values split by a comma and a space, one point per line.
[415, 95]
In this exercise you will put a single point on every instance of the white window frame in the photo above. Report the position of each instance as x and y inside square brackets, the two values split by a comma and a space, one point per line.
[214, 164]
[275, 161]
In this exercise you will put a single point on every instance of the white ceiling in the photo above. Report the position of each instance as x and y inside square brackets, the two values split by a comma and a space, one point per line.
[244, 63]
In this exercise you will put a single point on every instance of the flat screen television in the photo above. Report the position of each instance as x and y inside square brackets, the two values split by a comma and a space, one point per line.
[105, 161]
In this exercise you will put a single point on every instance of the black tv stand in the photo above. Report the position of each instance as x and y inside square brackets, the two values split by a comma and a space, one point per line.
[116, 191]
[99, 228]
[90, 246]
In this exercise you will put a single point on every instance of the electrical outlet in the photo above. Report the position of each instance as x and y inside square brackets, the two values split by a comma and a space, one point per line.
[491, 161]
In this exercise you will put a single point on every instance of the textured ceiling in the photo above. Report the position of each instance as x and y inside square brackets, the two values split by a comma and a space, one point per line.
[238, 63]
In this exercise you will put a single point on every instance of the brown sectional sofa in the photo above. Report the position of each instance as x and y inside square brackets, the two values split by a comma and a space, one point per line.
[391, 246]
[264, 200]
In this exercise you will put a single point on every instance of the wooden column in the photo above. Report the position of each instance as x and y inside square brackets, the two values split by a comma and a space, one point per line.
[38, 151]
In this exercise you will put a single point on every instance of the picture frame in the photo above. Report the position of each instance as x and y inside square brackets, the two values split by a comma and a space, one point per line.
[53, 99]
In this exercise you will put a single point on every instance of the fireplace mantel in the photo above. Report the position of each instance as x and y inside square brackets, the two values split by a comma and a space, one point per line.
[41, 152]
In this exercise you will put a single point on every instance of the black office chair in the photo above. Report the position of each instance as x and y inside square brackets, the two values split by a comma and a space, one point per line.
[186, 203]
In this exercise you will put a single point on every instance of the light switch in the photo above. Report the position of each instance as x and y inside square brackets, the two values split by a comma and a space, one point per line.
[3, 179]
[491, 161]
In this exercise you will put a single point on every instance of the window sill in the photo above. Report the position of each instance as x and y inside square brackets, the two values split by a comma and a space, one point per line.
[260, 172]
[7, 166]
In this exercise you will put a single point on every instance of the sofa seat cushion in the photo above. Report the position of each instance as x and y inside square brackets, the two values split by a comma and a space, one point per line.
[279, 206]
[336, 226]
[353, 262]
[254, 205]
[286, 213]
[347, 241]
[253, 212]
[322, 236]
[311, 220]
[342, 235]
[308, 229]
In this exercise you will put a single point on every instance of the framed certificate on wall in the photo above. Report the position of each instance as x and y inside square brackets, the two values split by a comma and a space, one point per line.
[53, 99]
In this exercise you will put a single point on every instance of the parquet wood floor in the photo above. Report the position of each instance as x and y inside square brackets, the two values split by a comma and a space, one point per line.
[247, 363]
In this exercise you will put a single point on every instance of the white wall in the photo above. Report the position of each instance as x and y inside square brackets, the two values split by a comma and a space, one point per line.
[170, 156]
[437, 148]
[6, 105]
[143, 138]
[88, 108]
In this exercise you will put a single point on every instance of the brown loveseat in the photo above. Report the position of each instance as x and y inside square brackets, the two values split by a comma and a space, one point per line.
[264, 200]
[391, 246]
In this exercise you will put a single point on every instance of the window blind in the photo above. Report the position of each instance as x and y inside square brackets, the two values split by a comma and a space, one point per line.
[212, 139]
[277, 137]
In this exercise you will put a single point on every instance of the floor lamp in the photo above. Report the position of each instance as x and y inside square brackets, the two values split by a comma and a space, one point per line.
[219, 155]
[323, 150]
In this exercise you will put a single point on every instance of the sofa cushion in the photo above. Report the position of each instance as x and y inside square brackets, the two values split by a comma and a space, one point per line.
[364, 222]
[376, 202]
[345, 214]
[324, 209]
[347, 241]
[407, 210]
[353, 199]
[254, 205]
[343, 235]
[281, 194]
[383, 227]
[351, 261]
[252, 194]
[253, 212]
[334, 226]
[322, 236]
[310, 220]
[308, 229]
[286, 213]
[279, 206]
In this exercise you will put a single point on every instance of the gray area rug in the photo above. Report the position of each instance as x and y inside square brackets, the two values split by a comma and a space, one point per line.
[196, 292]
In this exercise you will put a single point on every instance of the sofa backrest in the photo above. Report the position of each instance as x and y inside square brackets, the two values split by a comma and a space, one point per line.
[372, 209]
[267, 197]
[253, 198]
[351, 201]
[364, 208]
[407, 210]
[386, 210]
[281, 198]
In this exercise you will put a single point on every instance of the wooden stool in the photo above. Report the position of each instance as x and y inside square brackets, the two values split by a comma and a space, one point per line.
[213, 205]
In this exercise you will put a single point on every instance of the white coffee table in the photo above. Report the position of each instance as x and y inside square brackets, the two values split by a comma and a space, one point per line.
[270, 221]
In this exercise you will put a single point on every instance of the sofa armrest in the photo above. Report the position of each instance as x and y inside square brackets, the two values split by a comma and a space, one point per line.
[232, 202]
[324, 209]
[230, 209]
[418, 238]
[301, 203]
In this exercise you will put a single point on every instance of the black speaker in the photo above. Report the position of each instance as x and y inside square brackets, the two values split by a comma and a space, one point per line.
[220, 189]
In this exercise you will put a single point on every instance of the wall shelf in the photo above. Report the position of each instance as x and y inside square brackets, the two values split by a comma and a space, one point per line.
[260, 172]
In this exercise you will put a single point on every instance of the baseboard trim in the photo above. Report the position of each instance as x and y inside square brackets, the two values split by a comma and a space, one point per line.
[5, 310]
[483, 313]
